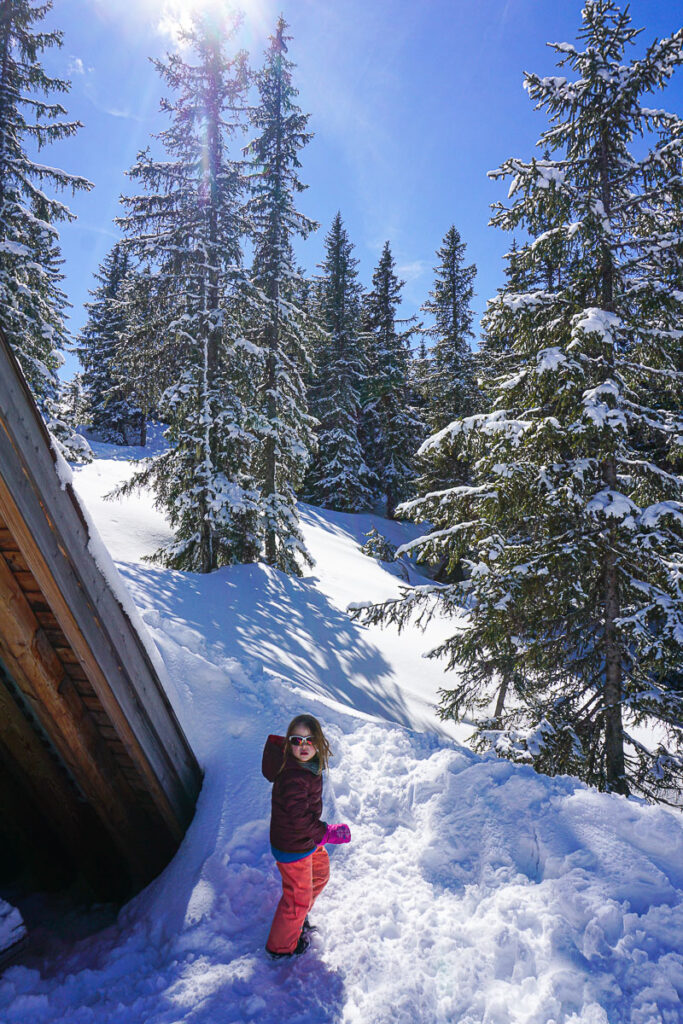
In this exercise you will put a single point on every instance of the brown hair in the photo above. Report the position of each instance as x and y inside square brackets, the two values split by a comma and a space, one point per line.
[321, 745]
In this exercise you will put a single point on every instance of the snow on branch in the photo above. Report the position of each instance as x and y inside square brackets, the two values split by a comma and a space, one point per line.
[491, 423]
[613, 505]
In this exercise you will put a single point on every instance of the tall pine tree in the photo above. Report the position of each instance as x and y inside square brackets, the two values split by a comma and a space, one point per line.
[574, 633]
[145, 365]
[339, 475]
[111, 415]
[495, 344]
[32, 303]
[187, 224]
[278, 321]
[449, 381]
[390, 428]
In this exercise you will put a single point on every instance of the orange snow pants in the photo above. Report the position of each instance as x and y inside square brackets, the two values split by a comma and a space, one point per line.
[302, 883]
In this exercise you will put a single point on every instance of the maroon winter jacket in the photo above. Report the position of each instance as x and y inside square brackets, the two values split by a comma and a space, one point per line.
[297, 802]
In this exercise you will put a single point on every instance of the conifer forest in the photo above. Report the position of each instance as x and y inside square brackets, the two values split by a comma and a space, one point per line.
[540, 451]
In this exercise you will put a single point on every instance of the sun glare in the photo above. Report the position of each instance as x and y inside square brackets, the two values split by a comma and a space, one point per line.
[172, 16]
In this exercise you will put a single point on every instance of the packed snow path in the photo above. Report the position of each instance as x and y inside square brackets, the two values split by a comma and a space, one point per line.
[473, 891]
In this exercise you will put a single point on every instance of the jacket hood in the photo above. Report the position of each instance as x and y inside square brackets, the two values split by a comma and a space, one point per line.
[272, 757]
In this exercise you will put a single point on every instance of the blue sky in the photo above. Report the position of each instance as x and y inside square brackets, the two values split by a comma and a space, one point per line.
[411, 104]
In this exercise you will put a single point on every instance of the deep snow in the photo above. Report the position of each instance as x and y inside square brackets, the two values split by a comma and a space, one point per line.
[474, 891]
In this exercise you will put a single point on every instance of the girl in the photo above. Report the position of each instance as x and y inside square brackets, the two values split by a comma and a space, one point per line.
[294, 763]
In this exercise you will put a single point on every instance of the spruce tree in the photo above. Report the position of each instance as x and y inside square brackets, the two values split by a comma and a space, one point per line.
[32, 303]
[73, 404]
[574, 633]
[187, 224]
[495, 344]
[449, 382]
[306, 297]
[111, 416]
[390, 427]
[278, 322]
[339, 475]
[145, 364]
[419, 373]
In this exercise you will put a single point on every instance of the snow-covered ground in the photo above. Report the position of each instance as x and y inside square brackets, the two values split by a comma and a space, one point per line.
[474, 891]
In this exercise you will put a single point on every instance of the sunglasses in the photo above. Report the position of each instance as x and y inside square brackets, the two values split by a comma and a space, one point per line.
[298, 741]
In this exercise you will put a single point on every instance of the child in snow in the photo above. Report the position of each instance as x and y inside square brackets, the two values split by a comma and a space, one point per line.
[294, 763]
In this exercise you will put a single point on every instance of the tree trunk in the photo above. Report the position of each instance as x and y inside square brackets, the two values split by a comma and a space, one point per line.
[6, 22]
[209, 287]
[615, 767]
[391, 502]
[270, 460]
[614, 732]
[500, 701]
[273, 337]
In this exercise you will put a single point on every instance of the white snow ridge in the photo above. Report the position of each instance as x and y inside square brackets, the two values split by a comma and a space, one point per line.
[474, 891]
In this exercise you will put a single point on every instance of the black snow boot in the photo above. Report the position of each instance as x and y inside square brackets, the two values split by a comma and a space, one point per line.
[301, 947]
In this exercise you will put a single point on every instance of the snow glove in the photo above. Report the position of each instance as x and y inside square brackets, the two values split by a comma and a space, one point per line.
[336, 834]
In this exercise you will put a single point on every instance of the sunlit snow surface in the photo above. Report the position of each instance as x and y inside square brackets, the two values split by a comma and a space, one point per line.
[474, 892]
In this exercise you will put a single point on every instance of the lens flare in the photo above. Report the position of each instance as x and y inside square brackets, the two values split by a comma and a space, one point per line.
[176, 15]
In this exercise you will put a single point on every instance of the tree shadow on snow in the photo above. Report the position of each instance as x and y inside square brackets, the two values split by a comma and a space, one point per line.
[273, 625]
[303, 989]
[156, 443]
[357, 524]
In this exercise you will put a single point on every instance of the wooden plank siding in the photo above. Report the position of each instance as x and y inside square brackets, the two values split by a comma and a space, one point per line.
[75, 657]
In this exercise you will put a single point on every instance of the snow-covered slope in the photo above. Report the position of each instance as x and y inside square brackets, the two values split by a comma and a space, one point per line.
[474, 891]
[295, 630]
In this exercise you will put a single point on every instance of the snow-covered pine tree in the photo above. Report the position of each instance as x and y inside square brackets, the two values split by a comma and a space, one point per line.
[449, 383]
[187, 224]
[419, 372]
[574, 628]
[73, 402]
[390, 429]
[278, 322]
[339, 476]
[495, 348]
[32, 303]
[111, 415]
[145, 367]
[305, 296]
